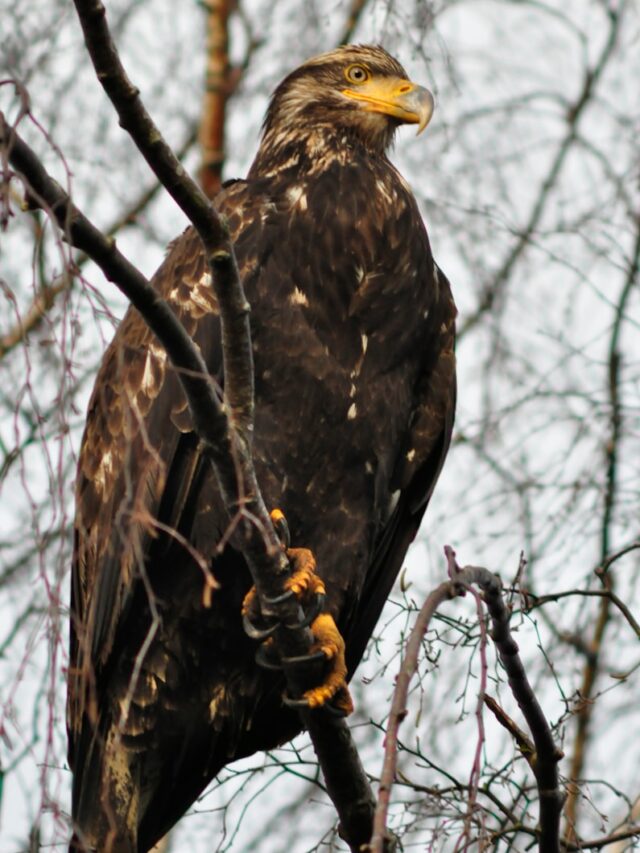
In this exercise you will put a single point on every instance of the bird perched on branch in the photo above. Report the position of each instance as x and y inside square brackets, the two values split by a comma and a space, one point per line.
[353, 333]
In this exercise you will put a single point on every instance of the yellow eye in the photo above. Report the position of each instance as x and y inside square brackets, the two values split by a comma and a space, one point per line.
[356, 74]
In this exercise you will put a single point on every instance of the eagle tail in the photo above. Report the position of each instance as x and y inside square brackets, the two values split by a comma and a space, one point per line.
[105, 797]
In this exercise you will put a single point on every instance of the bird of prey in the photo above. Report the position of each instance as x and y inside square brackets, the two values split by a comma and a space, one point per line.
[352, 327]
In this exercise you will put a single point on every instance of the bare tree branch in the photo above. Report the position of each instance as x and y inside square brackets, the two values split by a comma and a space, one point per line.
[42, 303]
[216, 93]
[539, 601]
[493, 290]
[592, 666]
[260, 546]
[353, 19]
[543, 761]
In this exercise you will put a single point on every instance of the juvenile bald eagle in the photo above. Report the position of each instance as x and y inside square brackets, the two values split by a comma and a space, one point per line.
[353, 332]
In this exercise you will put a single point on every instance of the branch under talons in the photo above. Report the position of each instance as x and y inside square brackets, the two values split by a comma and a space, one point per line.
[260, 617]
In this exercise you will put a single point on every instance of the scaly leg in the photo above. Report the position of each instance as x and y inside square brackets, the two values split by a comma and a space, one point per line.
[308, 587]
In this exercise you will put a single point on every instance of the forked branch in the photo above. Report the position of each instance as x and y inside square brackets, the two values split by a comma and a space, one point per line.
[544, 761]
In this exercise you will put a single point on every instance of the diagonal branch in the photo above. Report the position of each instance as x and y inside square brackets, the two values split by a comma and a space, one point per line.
[44, 300]
[234, 308]
[226, 438]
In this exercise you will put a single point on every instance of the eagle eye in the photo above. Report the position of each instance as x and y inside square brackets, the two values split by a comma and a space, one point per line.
[356, 74]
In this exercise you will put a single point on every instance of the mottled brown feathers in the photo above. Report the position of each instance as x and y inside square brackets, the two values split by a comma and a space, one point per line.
[353, 330]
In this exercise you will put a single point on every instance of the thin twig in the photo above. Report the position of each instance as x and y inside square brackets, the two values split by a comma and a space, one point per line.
[43, 301]
[493, 290]
[539, 601]
[353, 19]
[523, 741]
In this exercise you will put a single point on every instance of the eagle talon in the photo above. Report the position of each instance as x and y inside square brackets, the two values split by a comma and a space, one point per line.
[308, 589]
[257, 633]
[281, 527]
[279, 599]
[267, 658]
[310, 613]
[328, 708]
[301, 660]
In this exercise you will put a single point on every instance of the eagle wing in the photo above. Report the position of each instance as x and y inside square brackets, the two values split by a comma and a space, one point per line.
[137, 478]
[417, 468]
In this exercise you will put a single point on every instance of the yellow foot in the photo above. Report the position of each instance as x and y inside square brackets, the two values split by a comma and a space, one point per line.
[309, 589]
[304, 582]
[328, 640]
[280, 526]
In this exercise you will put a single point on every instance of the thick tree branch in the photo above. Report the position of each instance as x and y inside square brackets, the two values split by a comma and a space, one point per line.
[216, 92]
[234, 308]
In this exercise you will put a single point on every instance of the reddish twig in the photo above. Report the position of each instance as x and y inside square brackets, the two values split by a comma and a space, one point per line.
[398, 712]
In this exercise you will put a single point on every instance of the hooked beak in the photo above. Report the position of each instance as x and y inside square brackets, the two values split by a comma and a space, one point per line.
[402, 99]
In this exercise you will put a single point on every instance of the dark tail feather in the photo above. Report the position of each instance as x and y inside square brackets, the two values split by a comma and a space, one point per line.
[104, 796]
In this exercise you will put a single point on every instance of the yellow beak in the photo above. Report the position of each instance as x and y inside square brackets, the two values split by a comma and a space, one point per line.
[402, 99]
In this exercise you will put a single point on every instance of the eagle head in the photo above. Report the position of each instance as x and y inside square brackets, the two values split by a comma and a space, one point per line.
[356, 94]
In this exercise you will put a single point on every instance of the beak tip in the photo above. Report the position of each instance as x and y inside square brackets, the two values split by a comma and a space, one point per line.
[428, 106]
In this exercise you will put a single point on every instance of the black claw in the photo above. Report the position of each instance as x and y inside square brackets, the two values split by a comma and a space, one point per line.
[332, 711]
[279, 599]
[266, 660]
[329, 710]
[303, 660]
[312, 612]
[257, 633]
[294, 703]
[309, 615]
[282, 530]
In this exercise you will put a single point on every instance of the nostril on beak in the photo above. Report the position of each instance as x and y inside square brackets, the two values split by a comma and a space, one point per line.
[406, 88]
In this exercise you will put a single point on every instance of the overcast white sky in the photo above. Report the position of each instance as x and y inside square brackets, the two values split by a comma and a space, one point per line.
[526, 472]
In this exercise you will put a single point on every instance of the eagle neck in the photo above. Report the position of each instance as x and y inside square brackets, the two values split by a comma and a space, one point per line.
[311, 153]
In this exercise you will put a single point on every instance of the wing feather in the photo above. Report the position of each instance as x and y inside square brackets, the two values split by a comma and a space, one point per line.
[134, 471]
[417, 470]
